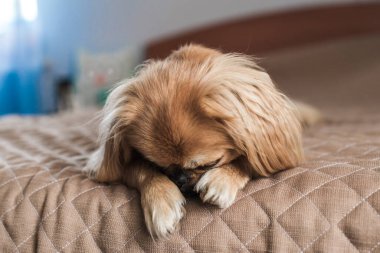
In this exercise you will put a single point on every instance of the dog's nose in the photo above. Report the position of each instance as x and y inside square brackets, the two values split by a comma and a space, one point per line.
[180, 178]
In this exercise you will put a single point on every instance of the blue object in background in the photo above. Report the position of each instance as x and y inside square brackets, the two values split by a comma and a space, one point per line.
[9, 93]
[19, 93]
[28, 92]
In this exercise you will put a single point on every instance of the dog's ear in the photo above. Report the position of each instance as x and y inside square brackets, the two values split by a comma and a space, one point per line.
[258, 118]
[114, 152]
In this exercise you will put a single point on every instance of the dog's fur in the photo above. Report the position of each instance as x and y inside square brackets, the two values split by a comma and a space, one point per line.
[216, 117]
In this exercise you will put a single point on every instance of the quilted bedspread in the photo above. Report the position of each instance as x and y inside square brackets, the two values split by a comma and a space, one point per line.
[330, 203]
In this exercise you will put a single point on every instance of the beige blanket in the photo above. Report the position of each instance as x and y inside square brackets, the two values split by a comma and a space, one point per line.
[331, 203]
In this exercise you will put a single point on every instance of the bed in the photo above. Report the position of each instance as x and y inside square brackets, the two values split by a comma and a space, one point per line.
[330, 203]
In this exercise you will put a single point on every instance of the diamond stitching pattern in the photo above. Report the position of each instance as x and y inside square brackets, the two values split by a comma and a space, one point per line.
[42, 161]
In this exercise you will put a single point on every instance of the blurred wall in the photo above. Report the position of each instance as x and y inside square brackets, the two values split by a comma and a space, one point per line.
[101, 25]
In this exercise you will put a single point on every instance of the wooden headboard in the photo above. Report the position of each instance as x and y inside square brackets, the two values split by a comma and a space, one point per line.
[260, 34]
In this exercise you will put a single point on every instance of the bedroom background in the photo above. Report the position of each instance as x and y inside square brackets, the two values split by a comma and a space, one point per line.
[59, 55]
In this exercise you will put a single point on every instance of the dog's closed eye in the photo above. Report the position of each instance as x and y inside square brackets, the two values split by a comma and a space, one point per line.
[209, 165]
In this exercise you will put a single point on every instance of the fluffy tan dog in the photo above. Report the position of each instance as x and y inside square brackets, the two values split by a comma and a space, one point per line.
[199, 120]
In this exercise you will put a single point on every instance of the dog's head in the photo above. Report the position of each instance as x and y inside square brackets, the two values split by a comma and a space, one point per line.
[195, 110]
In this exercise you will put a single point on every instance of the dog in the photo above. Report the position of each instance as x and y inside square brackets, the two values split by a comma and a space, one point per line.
[198, 121]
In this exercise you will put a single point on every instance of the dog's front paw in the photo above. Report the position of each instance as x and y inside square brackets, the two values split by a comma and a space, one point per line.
[162, 203]
[219, 187]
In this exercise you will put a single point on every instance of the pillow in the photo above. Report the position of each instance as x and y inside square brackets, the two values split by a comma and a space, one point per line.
[98, 72]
